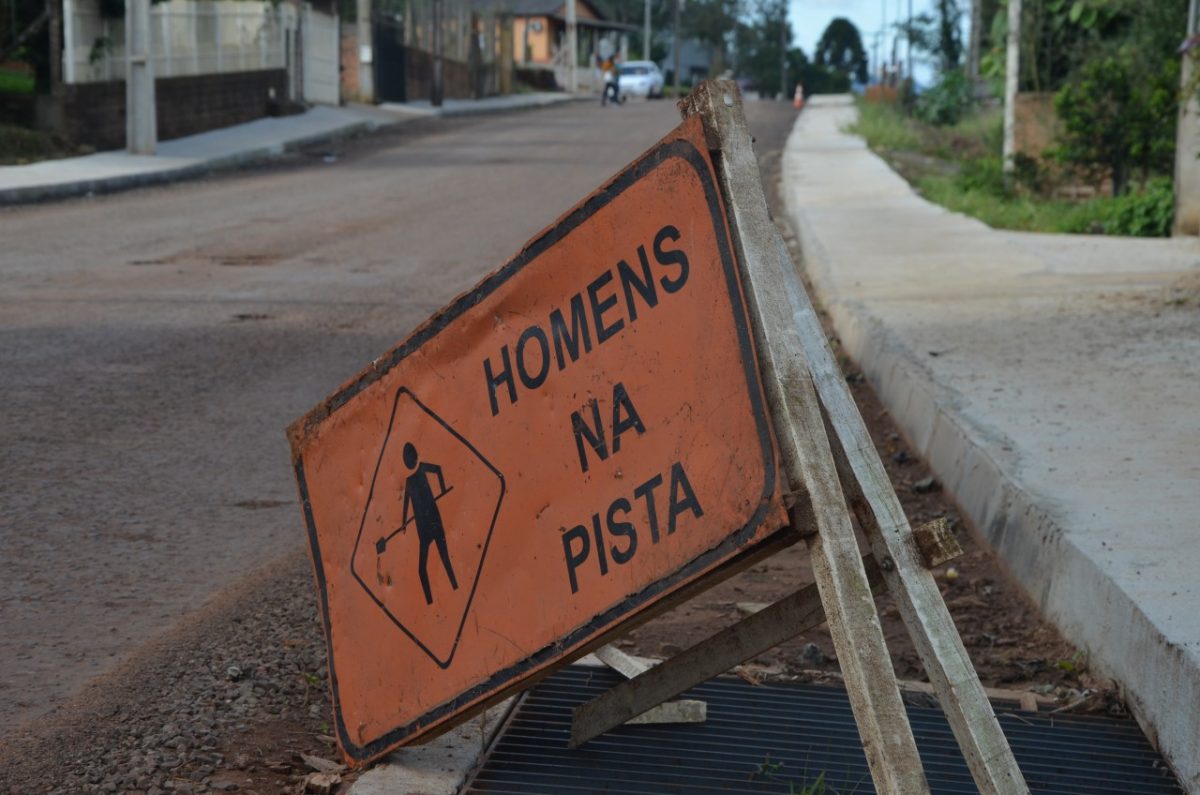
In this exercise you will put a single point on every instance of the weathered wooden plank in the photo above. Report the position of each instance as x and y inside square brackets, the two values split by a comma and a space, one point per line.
[805, 451]
[879, 512]
[628, 666]
[685, 710]
[767, 626]
[779, 622]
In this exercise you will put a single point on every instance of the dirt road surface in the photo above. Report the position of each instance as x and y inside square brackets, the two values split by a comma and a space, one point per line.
[154, 346]
[157, 618]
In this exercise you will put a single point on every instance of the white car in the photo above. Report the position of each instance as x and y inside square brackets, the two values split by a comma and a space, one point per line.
[640, 79]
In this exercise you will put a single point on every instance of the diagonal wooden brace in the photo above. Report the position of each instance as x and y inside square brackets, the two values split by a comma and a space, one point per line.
[777, 623]
[804, 448]
[882, 517]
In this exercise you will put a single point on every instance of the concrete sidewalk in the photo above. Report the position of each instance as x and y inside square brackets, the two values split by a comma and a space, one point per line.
[1053, 382]
[229, 148]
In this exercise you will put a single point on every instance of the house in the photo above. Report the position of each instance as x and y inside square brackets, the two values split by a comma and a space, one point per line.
[540, 34]
[695, 58]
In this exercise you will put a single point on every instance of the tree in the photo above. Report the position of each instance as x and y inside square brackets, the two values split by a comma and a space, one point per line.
[1117, 114]
[841, 49]
[710, 22]
[949, 39]
[938, 35]
[759, 48]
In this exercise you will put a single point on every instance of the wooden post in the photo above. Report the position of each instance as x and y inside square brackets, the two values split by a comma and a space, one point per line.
[860, 471]
[807, 461]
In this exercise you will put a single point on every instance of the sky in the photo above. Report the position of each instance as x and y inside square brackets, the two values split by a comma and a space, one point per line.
[809, 18]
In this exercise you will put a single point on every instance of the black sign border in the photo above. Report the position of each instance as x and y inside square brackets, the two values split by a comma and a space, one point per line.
[682, 149]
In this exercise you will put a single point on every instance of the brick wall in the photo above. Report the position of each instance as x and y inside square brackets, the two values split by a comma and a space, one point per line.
[349, 62]
[1036, 123]
[94, 113]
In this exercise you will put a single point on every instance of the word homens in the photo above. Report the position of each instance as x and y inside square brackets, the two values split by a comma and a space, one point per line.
[592, 316]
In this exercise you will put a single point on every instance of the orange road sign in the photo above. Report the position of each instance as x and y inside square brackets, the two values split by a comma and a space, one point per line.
[565, 445]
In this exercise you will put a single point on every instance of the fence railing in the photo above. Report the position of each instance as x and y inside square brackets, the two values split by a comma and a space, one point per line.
[188, 37]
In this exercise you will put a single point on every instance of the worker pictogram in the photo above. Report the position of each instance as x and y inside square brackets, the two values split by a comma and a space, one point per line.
[422, 541]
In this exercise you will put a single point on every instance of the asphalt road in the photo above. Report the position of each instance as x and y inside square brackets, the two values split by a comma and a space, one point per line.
[154, 345]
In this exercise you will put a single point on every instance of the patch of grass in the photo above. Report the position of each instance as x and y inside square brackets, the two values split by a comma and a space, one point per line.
[815, 788]
[885, 128]
[958, 166]
[14, 82]
[1008, 212]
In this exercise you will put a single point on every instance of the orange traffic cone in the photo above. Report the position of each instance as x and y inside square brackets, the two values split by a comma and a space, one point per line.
[798, 97]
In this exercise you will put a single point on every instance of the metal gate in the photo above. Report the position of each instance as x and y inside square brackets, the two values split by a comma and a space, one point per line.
[320, 55]
[390, 73]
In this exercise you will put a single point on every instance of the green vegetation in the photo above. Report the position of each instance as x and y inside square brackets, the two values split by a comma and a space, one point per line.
[958, 166]
[14, 82]
[1112, 71]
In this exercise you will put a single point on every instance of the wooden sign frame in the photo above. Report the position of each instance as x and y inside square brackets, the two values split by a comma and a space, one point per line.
[828, 466]
[827, 454]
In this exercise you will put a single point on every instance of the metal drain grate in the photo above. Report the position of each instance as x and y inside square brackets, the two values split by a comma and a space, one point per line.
[780, 738]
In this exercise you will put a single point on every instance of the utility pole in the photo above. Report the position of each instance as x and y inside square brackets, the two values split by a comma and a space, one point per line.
[908, 45]
[366, 51]
[675, 42]
[646, 39]
[783, 70]
[1187, 145]
[1012, 67]
[435, 94]
[883, 42]
[141, 125]
[572, 48]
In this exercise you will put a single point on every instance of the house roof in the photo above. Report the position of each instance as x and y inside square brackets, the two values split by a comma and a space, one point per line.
[534, 8]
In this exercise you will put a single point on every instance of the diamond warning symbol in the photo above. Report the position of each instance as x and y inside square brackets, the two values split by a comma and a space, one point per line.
[426, 526]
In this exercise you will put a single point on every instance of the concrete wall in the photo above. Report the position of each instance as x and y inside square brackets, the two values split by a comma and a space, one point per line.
[94, 113]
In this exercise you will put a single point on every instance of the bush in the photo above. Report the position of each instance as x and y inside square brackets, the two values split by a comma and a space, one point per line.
[1145, 214]
[1116, 115]
[947, 101]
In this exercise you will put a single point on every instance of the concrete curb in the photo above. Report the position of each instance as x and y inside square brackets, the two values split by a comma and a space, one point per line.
[57, 191]
[441, 766]
[35, 194]
[1161, 682]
